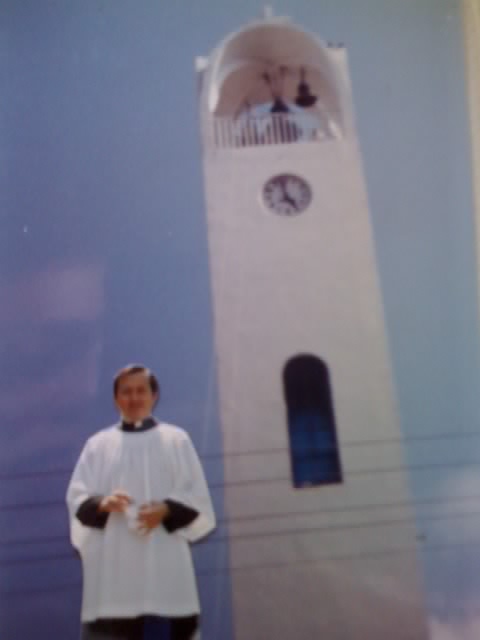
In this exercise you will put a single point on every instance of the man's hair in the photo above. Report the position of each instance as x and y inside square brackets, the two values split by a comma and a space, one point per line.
[130, 370]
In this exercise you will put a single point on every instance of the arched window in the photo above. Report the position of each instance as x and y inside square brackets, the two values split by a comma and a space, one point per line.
[314, 450]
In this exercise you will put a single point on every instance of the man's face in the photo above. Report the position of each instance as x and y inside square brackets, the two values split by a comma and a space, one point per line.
[135, 399]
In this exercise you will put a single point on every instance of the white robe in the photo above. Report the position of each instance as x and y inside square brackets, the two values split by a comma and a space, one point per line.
[126, 574]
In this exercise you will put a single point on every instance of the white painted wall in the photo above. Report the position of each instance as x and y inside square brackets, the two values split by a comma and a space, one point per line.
[307, 284]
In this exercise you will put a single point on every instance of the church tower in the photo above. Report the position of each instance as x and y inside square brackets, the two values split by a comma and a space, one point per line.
[322, 539]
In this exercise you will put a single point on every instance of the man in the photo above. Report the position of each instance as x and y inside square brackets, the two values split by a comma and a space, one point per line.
[136, 498]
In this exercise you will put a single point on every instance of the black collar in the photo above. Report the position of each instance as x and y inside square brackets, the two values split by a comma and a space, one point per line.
[147, 424]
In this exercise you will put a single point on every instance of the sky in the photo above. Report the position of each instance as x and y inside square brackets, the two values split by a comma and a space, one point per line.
[101, 193]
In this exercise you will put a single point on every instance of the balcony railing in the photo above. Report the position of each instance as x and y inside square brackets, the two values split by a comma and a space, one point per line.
[269, 129]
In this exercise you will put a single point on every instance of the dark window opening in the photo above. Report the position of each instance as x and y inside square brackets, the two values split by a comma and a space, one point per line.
[314, 450]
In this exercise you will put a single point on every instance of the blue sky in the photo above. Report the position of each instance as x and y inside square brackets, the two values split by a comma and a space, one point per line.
[100, 166]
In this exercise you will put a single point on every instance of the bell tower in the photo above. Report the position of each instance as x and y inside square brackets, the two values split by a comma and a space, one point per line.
[322, 534]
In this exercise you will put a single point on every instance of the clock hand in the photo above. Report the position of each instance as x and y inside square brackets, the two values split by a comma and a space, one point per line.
[288, 199]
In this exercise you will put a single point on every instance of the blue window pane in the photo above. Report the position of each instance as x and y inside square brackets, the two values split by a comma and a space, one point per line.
[316, 470]
[314, 451]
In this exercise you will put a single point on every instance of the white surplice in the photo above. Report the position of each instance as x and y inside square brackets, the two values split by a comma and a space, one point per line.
[126, 574]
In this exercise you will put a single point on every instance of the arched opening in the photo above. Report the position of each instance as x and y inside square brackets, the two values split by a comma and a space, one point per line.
[314, 450]
[273, 83]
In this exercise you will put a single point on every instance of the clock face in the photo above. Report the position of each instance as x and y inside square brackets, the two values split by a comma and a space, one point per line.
[287, 194]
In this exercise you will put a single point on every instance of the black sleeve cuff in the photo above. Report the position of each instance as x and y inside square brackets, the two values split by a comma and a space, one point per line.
[90, 516]
[180, 516]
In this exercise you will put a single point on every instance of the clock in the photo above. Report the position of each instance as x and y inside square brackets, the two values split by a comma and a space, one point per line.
[287, 194]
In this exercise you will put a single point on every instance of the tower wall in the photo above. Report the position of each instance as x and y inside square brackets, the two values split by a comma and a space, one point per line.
[336, 561]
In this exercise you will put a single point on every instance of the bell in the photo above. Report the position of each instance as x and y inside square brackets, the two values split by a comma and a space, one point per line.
[279, 106]
[304, 98]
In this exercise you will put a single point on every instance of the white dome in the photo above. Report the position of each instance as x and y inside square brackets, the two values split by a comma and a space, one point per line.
[238, 65]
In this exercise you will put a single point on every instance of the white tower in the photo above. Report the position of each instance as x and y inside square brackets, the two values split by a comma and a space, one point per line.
[322, 538]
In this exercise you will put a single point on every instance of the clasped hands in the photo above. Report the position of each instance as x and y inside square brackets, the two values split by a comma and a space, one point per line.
[150, 515]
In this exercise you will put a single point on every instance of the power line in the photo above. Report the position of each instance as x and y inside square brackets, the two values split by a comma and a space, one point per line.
[359, 472]
[269, 534]
[19, 506]
[340, 557]
[40, 540]
[274, 480]
[365, 507]
[347, 527]
[269, 566]
[41, 591]
[272, 451]
[31, 559]
[287, 514]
